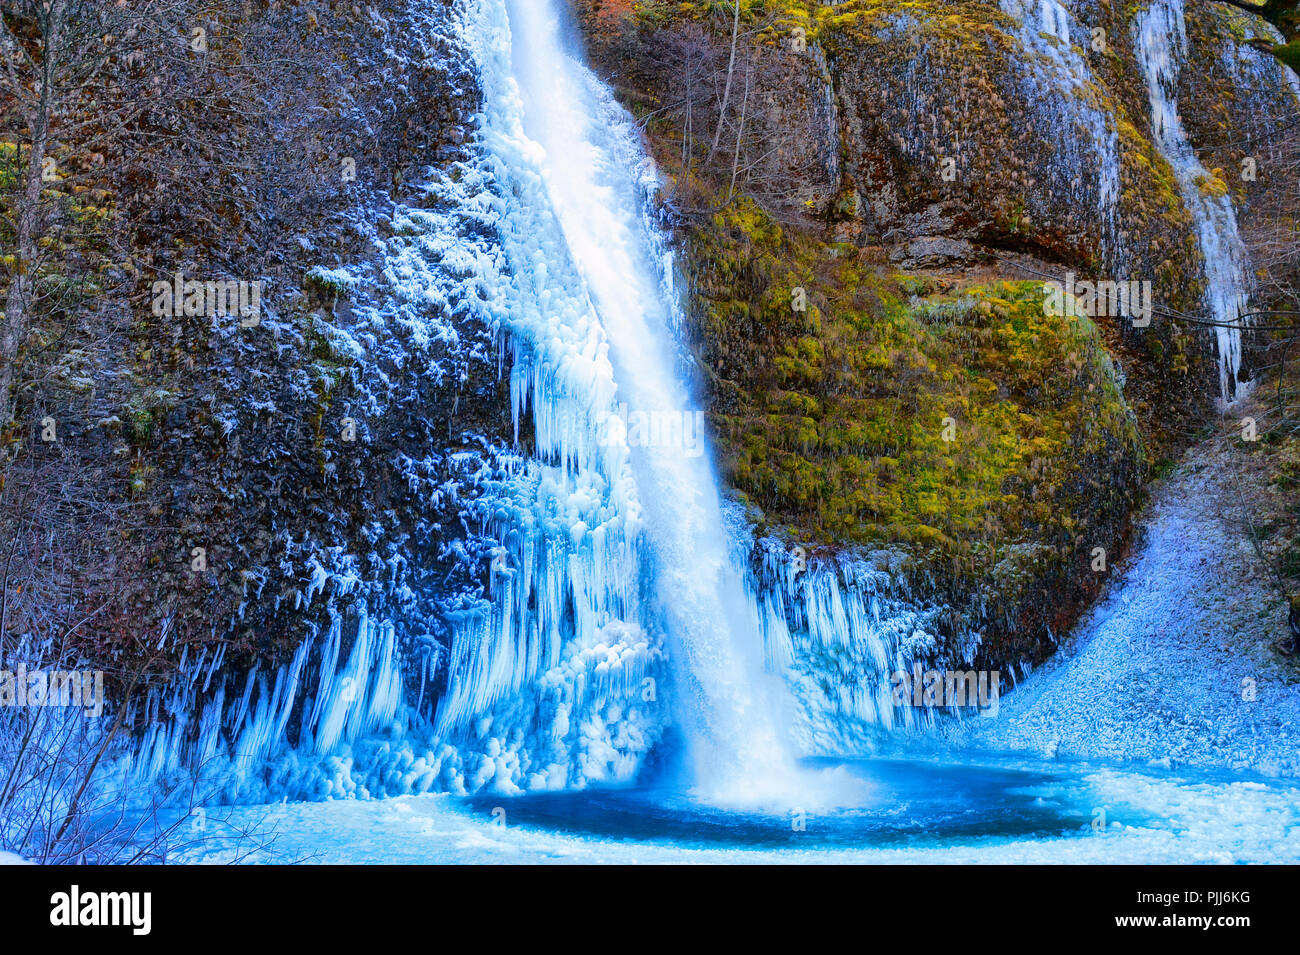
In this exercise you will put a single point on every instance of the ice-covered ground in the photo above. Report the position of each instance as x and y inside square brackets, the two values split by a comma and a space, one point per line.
[1178, 663]
[1172, 819]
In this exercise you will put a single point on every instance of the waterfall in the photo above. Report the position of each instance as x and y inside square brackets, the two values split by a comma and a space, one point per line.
[1160, 33]
[625, 606]
[617, 557]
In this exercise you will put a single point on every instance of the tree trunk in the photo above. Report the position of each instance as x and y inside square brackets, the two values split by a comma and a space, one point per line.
[17, 303]
[726, 89]
[740, 133]
[18, 298]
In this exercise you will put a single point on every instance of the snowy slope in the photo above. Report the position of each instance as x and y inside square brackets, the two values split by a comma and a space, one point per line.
[1162, 667]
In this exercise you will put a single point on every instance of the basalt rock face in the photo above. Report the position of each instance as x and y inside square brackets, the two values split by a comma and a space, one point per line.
[954, 133]
[302, 470]
[881, 162]
[340, 430]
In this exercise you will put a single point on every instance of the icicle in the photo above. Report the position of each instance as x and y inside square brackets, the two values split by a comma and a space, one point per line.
[1161, 37]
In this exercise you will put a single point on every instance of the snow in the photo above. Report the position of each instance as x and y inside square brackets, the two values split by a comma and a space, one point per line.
[1162, 669]
[1171, 820]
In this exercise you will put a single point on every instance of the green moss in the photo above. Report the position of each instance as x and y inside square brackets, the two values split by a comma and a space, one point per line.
[883, 413]
[1286, 469]
[327, 284]
[139, 425]
[143, 413]
[778, 22]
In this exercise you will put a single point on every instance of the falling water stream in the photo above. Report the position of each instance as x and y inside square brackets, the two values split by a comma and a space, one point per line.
[594, 309]
[1161, 35]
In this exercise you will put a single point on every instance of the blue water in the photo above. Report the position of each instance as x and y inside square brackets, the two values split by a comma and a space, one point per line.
[932, 807]
[896, 802]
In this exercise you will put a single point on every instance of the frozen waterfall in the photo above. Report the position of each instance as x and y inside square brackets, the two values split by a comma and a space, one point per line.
[1160, 33]
[620, 557]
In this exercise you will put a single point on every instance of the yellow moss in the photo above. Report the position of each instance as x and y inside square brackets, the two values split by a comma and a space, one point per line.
[879, 416]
